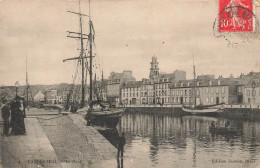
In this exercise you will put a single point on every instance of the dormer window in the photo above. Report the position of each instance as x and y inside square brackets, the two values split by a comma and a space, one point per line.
[181, 84]
[198, 83]
[210, 83]
[188, 84]
[175, 84]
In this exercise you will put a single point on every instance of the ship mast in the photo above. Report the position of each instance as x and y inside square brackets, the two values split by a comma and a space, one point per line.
[90, 58]
[27, 85]
[194, 80]
[82, 57]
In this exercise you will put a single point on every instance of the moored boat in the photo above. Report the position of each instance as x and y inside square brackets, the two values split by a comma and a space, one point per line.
[222, 130]
[201, 109]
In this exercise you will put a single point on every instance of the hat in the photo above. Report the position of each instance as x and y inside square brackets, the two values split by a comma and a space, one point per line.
[19, 97]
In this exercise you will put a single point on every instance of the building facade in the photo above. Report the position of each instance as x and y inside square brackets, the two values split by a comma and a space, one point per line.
[147, 92]
[248, 89]
[115, 83]
[205, 92]
[131, 93]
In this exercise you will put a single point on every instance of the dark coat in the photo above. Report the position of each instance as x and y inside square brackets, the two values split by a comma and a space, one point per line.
[5, 110]
[121, 141]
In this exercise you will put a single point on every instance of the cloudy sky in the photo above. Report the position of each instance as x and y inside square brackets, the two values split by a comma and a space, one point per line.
[128, 34]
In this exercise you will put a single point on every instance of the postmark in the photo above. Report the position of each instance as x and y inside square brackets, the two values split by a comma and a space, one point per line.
[236, 22]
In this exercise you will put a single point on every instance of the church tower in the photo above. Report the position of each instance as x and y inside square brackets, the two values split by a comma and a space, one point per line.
[154, 70]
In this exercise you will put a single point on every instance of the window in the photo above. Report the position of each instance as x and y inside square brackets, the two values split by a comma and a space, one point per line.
[212, 99]
[130, 94]
[253, 92]
[248, 92]
[212, 90]
[185, 92]
[223, 89]
[127, 94]
[198, 92]
[174, 92]
[207, 90]
[223, 99]
[210, 83]
[186, 99]
[207, 99]
[189, 92]
[123, 94]
[133, 94]
[181, 92]
[217, 90]
[177, 92]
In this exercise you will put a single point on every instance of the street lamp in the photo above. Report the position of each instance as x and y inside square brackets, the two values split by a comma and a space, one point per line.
[16, 86]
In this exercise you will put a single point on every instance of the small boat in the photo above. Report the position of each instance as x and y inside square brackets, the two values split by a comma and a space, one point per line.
[222, 130]
[201, 109]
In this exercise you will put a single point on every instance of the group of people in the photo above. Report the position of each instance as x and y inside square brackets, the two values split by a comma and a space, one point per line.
[13, 114]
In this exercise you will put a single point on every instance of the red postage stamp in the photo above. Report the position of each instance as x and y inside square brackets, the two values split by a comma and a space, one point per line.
[236, 16]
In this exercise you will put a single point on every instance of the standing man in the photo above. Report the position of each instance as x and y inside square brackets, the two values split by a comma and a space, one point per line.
[5, 110]
[121, 144]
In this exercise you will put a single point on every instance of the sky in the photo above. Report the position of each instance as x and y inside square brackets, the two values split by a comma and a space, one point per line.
[128, 34]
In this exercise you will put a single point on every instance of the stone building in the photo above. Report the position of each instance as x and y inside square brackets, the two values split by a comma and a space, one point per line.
[208, 91]
[248, 89]
[115, 83]
[162, 83]
[147, 92]
[131, 93]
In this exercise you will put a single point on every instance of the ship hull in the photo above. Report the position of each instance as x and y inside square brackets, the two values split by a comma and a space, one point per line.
[202, 111]
[106, 118]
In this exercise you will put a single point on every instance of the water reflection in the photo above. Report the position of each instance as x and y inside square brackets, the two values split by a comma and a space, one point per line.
[167, 141]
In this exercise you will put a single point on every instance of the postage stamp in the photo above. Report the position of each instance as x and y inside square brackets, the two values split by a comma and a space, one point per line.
[236, 16]
[236, 22]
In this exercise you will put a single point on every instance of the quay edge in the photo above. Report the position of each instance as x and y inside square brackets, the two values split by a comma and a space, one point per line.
[231, 111]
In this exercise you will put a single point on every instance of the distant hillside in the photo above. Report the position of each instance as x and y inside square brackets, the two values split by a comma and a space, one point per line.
[9, 91]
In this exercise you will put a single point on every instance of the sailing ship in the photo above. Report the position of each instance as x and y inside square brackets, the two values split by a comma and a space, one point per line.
[200, 109]
[97, 111]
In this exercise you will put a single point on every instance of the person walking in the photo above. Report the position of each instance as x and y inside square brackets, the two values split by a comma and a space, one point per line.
[121, 144]
[5, 110]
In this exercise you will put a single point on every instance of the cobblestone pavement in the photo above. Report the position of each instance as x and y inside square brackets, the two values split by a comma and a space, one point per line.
[75, 144]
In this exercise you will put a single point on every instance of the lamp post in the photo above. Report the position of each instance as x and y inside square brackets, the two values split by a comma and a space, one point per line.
[16, 86]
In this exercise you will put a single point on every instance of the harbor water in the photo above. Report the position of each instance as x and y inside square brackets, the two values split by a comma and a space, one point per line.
[169, 141]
